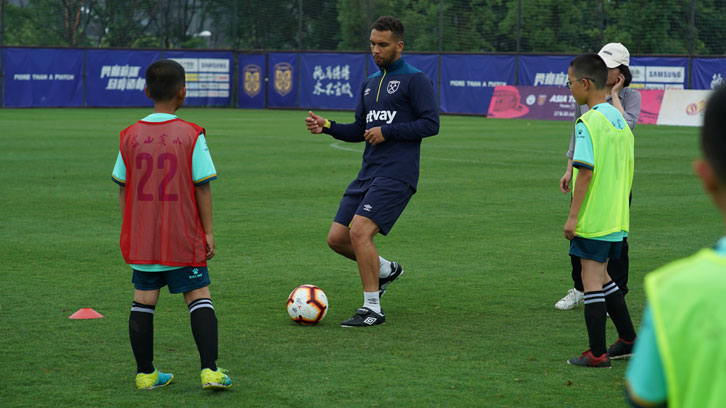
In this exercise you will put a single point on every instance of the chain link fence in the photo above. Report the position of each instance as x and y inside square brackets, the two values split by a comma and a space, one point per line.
[682, 27]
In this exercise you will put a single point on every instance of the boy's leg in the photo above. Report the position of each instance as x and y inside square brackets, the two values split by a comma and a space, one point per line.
[141, 329]
[576, 273]
[595, 307]
[618, 268]
[618, 310]
[204, 325]
[204, 329]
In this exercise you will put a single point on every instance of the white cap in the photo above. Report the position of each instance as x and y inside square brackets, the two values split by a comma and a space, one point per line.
[615, 55]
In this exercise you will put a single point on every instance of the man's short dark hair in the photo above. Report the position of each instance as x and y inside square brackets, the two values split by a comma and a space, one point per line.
[389, 23]
[627, 74]
[713, 133]
[164, 78]
[592, 67]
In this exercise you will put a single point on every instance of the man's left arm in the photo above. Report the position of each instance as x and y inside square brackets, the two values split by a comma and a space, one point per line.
[426, 110]
[631, 108]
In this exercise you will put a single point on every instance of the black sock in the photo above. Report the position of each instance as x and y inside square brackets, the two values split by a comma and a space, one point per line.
[204, 329]
[141, 334]
[595, 321]
[618, 310]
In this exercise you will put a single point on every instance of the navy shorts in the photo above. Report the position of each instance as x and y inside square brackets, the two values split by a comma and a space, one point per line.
[594, 249]
[179, 280]
[381, 199]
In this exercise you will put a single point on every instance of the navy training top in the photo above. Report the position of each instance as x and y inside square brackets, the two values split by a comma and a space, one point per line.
[400, 99]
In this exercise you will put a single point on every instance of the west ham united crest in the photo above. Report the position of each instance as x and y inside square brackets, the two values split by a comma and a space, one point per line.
[393, 86]
[283, 78]
[253, 80]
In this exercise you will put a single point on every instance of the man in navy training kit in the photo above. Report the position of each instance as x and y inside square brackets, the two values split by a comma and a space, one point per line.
[397, 108]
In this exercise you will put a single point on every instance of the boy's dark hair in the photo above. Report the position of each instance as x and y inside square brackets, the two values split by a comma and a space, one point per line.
[592, 67]
[626, 73]
[164, 78]
[713, 133]
[389, 23]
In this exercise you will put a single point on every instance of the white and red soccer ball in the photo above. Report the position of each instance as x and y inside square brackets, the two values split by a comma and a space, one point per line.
[307, 305]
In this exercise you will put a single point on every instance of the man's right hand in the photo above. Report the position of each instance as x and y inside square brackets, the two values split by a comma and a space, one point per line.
[314, 123]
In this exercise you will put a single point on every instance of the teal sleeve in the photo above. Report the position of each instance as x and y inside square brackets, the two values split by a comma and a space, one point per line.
[203, 170]
[119, 171]
[583, 156]
[644, 376]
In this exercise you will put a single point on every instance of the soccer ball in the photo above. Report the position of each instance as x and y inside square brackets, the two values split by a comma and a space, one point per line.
[307, 305]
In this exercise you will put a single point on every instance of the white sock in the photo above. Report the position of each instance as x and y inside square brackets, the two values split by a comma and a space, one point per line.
[385, 269]
[372, 301]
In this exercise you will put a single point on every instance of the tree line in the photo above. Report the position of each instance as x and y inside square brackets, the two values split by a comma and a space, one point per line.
[551, 26]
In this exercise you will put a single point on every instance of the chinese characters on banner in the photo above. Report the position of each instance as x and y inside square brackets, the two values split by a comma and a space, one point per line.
[117, 77]
[123, 77]
[550, 78]
[332, 80]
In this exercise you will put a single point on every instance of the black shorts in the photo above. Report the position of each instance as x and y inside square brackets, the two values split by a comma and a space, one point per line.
[594, 249]
[180, 280]
[381, 199]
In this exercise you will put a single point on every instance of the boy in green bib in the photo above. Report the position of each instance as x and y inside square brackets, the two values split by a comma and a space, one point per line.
[679, 358]
[599, 216]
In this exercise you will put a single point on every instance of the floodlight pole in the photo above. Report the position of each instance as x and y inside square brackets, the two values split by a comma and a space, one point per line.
[691, 43]
[2, 24]
[516, 57]
[299, 24]
[691, 29]
[519, 23]
[2, 53]
[369, 21]
[602, 18]
[441, 26]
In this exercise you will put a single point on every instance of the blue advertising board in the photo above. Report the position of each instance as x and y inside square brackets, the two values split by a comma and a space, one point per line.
[468, 81]
[428, 63]
[40, 77]
[209, 76]
[251, 88]
[708, 73]
[544, 70]
[331, 81]
[117, 77]
[659, 72]
[282, 83]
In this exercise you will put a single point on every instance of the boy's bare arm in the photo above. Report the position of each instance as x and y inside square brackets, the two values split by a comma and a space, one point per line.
[204, 205]
[582, 184]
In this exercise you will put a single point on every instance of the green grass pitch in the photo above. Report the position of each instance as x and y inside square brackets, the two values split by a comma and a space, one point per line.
[471, 323]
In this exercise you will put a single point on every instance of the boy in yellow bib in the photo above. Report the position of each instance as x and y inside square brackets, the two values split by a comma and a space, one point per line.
[680, 357]
[599, 216]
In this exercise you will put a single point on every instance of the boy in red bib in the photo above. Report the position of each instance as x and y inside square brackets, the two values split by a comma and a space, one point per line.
[163, 170]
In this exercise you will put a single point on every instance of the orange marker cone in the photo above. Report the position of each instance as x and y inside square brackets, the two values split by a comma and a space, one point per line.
[86, 313]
